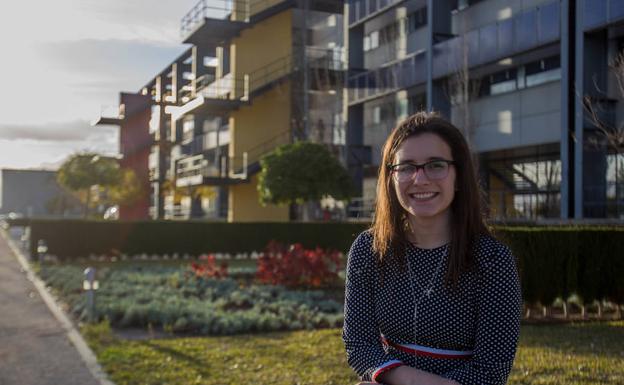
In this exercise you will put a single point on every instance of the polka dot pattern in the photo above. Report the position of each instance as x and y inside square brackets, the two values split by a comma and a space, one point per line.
[482, 315]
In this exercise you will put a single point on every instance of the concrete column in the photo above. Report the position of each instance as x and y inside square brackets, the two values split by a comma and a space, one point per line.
[579, 37]
[566, 148]
[197, 64]
[438, 27]
[355, 142]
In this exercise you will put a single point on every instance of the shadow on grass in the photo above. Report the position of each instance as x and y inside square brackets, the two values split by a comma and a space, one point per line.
[603, 339]
[200, 365]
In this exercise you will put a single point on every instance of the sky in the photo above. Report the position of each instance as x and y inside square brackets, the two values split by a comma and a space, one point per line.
[65, 61]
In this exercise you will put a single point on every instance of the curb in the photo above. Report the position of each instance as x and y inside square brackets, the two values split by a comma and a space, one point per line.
[87, 355]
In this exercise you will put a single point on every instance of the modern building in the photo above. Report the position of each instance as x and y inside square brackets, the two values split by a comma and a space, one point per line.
[257, 74]
[35, 193]
[536, 86]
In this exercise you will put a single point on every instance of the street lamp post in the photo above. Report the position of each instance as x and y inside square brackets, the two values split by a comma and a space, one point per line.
[90, 285]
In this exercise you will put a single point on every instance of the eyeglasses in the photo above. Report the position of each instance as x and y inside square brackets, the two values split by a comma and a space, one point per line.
[434, 169]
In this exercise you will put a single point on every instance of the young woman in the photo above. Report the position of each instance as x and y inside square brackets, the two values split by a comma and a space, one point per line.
[431, 296]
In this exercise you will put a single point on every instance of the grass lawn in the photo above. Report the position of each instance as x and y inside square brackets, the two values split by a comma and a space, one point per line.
[572, 354]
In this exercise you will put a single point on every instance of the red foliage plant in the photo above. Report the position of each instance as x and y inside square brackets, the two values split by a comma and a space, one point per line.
[295, 266]
[207, 267]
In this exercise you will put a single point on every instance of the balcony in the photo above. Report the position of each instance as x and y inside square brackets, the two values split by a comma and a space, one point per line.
[317, 59]
[599, 13]
[205, 142]
[526, 31]
[361, 10]
[219, 96]
[214, 21]
[199, 170]
[110, 115]
[375, 83]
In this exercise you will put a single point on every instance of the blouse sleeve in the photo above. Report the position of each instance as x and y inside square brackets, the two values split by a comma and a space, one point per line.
[360, 333]
[499, 308]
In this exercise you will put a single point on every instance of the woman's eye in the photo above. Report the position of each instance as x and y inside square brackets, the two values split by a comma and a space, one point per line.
[436, 165]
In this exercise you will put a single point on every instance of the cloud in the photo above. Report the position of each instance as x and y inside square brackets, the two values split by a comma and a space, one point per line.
[143, 17]
[72, 131]
[109, 60]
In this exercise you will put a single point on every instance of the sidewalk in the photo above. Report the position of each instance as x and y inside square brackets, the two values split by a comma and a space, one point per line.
[35, 347]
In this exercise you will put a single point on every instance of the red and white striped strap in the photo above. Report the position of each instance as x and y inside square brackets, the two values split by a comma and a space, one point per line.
[429, 352]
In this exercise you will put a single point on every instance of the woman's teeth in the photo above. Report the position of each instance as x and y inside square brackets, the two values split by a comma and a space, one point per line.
[423, 195]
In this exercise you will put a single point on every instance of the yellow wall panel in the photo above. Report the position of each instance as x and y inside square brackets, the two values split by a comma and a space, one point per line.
[261, 45]
[244, 206]
[266, 118]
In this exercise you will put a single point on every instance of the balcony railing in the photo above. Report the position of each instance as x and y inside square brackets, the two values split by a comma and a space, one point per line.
[598, 13]
[214, 9]
[405, 73]
[233, 10]
[317, 58]
[226, 87]
[526, 31]
[204, 142]
[362, 9]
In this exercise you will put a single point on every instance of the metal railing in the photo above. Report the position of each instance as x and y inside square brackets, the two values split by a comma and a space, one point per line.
[234, 10]
[223, 88]
[525, 31]
[361, 9]
[271, 72]
[317, 58]
[217, 9]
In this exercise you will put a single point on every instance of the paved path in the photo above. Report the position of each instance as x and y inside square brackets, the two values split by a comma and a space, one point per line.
[35, 348]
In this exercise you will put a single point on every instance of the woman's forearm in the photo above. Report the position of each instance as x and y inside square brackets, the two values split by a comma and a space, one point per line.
[405, 375]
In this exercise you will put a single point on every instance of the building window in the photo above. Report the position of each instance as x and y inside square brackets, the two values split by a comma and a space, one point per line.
[154, 123]
[377, 114]
[525, 189]
[501, 82]
[374, 39]
[543, 71]
[331, 21]
[402, 108]
[188, 129]
[371, 41]
[417, 20]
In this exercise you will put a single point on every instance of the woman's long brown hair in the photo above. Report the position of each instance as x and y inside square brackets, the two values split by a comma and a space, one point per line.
[467, 220]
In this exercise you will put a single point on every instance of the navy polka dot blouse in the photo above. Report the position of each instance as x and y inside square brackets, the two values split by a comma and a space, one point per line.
[468, 335]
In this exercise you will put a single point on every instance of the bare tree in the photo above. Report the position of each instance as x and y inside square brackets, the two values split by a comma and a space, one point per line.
[611, 133]
[461, 88]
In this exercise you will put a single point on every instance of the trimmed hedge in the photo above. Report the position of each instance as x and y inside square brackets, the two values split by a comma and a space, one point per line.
[68, 239]
[558, 261]
[554, 261]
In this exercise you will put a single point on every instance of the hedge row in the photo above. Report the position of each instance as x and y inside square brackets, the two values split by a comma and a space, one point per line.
[559, 261]
[554, 261]
[68, 239]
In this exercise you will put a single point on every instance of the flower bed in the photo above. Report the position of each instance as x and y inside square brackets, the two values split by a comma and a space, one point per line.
[178, 300]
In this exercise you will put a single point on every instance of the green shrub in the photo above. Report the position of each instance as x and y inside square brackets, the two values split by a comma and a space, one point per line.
[132, 296]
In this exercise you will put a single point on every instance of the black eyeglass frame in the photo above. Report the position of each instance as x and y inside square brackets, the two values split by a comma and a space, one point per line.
[422, 166]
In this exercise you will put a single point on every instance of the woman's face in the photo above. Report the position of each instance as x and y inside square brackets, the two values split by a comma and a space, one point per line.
[424, 198]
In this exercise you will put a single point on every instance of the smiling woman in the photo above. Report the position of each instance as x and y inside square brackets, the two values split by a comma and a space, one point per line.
[431, 297]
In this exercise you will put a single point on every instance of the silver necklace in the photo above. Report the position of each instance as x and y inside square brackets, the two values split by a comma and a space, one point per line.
[424, 291]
